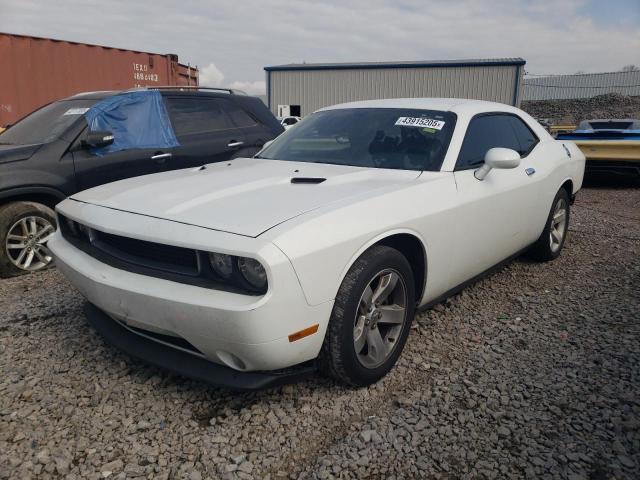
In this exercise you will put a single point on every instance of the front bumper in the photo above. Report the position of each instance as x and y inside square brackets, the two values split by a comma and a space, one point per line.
[243, 332]
[185, 364]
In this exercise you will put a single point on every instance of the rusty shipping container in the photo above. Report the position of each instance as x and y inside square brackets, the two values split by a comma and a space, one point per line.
[35, 71]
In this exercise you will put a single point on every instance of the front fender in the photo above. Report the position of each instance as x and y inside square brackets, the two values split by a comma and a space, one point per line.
[9, 194]
[324, 245]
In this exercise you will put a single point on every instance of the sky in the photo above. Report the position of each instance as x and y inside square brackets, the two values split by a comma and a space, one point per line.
[232, 41]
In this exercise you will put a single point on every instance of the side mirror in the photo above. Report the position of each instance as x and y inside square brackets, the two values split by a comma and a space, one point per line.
[97, 139]
[497, 158]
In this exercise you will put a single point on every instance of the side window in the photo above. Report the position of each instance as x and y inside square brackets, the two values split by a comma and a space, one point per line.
[238, 115]
[191, 115]
[485, 132]
[526, 138]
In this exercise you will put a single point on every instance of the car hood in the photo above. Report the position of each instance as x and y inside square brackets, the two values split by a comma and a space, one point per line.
[244, 196]
[16, 153]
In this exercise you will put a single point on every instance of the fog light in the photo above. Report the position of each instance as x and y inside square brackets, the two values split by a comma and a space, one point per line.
[230, 360]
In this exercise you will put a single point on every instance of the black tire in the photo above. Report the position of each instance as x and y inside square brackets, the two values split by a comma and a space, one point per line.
[338, 357]
[543, 250]
[9, 215]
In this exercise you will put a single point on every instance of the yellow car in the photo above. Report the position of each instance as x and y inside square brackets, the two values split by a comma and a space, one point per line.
[611, 146]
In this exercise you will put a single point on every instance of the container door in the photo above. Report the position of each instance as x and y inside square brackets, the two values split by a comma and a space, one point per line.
[204, 130]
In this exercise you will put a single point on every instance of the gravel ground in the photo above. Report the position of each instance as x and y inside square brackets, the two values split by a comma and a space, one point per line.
[574, 110]
[532, 372]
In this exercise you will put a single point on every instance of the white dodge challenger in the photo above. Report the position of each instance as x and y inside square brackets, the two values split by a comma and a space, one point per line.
[316, 252]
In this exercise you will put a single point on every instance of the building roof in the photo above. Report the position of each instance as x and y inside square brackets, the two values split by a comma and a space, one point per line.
[478, 62]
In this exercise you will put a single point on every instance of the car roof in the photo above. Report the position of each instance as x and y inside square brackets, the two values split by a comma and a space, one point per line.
[93, 95]
[456, 105]
[634, 123]
[100, 95]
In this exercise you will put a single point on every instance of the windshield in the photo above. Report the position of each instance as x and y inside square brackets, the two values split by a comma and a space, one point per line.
[46, 123]
[407, 139]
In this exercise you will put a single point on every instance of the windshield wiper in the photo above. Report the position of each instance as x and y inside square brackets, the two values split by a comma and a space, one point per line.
[5, 143]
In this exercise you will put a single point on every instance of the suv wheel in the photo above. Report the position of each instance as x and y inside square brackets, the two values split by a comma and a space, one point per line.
[25, 228]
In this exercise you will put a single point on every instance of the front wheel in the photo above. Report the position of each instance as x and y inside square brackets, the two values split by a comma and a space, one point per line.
[552, 239]
[371, 318]
[25, 228]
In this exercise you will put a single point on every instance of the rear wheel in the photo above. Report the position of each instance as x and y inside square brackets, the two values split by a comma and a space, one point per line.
[552, 239]
[371, 318]
[25, 228]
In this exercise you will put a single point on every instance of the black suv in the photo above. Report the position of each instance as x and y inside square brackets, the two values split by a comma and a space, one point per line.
[49, 155]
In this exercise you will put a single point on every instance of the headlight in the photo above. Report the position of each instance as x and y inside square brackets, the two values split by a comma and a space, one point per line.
[222, 264]
[253, 272]
[242, 273]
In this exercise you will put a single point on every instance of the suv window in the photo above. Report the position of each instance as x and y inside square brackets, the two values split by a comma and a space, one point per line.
[190, 115]
[526, 138]
[239, 116]
[486, 132]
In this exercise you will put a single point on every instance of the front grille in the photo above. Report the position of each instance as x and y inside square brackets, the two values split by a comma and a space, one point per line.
[178, 264]
[151, 255]
[178, 342]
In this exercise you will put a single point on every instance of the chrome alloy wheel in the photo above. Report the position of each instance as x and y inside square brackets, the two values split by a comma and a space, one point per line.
[380, 318]
[558, 225]
[26, 243]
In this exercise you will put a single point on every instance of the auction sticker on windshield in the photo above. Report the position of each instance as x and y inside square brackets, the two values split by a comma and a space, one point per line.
[420, 122]
[76, 111]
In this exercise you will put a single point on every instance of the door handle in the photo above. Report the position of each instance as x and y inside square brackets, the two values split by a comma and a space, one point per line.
[234, 144]
[161, 157]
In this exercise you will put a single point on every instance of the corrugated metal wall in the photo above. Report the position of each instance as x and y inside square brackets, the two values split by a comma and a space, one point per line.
[581, 86]
[314, 89]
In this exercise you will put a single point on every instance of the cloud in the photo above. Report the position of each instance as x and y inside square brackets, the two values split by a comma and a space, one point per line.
[252, 88]
[554, 37]
[211, 76]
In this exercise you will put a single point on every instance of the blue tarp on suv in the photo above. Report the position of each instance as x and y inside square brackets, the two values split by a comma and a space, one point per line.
[136, 119]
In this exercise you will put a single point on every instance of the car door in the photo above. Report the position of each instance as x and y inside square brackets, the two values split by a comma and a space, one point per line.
[494, 215]
[94, 169]
[204, 130]
[255, 133]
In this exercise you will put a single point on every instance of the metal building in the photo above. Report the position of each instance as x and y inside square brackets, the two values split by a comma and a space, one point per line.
[300, 89]
[583, 85]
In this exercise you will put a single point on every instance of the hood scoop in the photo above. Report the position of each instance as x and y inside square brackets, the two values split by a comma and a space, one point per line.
[309, 180]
